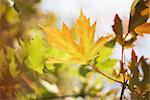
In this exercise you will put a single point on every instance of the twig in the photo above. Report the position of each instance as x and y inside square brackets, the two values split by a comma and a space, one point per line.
[123, 88]
[122, 61]
[96, 69]
[126, 35]
[122, 66]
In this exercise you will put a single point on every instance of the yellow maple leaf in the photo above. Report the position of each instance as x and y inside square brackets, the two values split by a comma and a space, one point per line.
[81, 52]
[143, 29]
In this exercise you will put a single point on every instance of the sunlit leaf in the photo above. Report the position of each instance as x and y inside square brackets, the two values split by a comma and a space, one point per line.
[105, 53]
[80, 53]
[145, 12]
[107, 66]
[143, 29]
[135, 15]
[36, 54]
[104, 62]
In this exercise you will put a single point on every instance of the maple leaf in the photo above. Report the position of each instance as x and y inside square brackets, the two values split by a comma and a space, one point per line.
[136, 18]
[139, 77]
[118, 29]
[144, 28]
[138, 25]
[81, 52]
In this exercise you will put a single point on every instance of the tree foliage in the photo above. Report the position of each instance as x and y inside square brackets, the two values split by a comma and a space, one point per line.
[40, 61]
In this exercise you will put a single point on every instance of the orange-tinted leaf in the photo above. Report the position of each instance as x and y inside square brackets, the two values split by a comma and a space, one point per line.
[145, 12]
[80, 53]
[135, 14]
[143, 29]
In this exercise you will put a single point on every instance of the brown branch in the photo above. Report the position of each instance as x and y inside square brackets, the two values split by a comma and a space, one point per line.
[122, 66]
[97, 70]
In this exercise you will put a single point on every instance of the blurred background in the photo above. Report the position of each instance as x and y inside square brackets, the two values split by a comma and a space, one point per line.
[23, 50]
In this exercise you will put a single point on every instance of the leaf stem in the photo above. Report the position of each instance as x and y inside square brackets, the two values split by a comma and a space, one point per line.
[123, 62]
[96, 69]
[122, 66]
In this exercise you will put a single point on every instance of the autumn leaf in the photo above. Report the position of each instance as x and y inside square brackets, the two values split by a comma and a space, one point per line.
[81, 52]
[135, 14]
[139, 82]
[139, 15]
[118, 29]
[145, 12]
[144, 28]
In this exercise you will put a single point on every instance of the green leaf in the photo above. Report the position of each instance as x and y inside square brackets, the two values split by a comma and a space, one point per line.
[50, 67]
[36, 54]
[107, 65]
[104, 53]
[104, 62]
[110, 44]
[84, 70]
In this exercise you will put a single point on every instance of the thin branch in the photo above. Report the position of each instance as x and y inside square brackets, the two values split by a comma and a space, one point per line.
[122, 66]
[122, 91]
[126, 35]
[123, 62]
[123, 88]
[96, 69]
